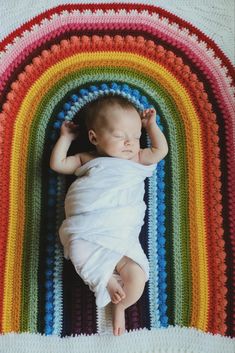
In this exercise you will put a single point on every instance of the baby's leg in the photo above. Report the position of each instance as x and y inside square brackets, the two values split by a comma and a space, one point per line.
[134, 279]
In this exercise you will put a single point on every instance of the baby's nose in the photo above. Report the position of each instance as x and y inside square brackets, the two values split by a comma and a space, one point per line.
[128, 141]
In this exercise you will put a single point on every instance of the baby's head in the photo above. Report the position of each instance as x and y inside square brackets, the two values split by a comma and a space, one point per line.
[114, 127]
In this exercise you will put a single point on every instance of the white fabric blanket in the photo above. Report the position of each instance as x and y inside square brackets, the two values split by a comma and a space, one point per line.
[104, 207]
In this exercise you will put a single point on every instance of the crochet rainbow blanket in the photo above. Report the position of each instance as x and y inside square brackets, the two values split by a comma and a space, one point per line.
[51, 67]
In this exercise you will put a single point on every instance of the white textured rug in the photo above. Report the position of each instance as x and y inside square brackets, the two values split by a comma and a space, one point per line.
[216, 19]
[170, 340]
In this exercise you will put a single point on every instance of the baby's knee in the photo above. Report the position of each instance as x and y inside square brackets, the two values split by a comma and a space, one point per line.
[132, 272]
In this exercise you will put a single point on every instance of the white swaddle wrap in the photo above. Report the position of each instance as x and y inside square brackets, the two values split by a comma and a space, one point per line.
[104, 214]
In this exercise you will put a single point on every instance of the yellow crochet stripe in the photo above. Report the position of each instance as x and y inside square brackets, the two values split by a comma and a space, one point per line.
[11, 321]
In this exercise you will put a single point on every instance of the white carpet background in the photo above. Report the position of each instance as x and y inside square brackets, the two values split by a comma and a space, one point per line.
[216, 19]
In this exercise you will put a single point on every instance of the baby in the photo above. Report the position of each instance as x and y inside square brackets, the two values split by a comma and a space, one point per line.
[102, 245]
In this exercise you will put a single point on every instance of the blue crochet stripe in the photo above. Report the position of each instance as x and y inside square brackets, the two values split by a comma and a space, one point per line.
[50, 254]
[58, 263]
[54, 254]
[156, 235]
[161, 238]
[87, 95]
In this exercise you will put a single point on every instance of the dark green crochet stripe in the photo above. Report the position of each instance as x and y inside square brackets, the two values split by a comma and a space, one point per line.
[178, 247]
[29, 305]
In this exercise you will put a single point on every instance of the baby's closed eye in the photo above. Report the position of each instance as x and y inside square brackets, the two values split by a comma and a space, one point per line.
[119, 136]
[124, 137]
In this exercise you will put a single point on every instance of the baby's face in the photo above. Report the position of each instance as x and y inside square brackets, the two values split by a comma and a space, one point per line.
[120, 137]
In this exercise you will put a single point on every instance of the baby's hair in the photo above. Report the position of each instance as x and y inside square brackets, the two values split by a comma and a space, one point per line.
[93, 111]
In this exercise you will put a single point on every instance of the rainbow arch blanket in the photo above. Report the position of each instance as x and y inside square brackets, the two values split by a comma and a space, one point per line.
[51, 66]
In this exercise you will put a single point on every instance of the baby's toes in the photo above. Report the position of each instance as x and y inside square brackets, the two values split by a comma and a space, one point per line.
[121, 331]
[116, 331]
[122, 293]
[118, 297]
[115, 298]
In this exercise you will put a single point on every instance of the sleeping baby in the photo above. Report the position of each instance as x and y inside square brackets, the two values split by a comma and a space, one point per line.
[104, 206]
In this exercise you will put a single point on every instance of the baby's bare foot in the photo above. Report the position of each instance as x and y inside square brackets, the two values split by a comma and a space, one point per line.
[115, 290]
[118, 319]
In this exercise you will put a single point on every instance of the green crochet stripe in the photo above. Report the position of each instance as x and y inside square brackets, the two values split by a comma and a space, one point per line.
[179, 284]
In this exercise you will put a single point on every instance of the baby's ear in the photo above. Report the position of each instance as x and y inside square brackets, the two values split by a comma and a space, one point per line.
[92, 137]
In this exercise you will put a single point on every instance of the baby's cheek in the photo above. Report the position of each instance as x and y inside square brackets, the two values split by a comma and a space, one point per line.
[120, 143]
[116, 145]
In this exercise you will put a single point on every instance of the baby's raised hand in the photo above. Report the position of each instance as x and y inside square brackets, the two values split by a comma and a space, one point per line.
[148, 117]
[69, 129]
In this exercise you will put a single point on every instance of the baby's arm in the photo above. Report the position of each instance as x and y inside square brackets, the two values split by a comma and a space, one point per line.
[159, 146]
[59, 161]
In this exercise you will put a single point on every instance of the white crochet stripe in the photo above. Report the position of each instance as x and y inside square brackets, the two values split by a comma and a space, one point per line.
[213, 17]
[170, 340]
[104, 320]
[152, 252]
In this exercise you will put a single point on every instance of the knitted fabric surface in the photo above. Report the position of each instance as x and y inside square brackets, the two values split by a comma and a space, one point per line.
[51, 67]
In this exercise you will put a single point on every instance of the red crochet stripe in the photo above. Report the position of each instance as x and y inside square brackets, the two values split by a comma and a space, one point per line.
[4, 185]
[195, 90]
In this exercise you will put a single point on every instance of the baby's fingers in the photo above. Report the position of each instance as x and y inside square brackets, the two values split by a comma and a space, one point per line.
[71, 124]
[151, 111]
[148, 111]
[144, 112]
